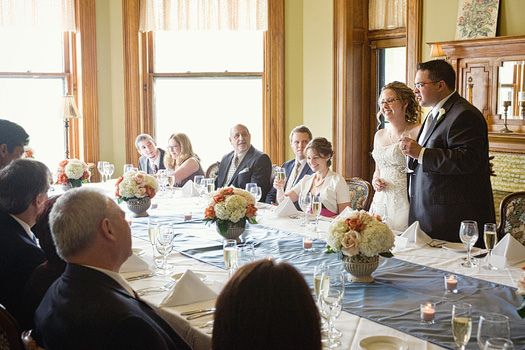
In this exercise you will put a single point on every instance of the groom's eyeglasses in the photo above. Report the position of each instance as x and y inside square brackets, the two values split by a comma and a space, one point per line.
[388, 102]
[420, 85]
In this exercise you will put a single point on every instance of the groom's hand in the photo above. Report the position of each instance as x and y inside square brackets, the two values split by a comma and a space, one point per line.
[410, 147]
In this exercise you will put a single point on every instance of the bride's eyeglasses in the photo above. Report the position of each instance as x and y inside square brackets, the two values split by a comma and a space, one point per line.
[388, 102]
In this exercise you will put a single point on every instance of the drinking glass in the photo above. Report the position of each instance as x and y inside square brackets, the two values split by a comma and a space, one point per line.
[499, 344]
[210, 185]
[171, 179]
[280, 173]
[333, 279]
[468, 233]
[100, 168]
[316, 209]
[305, 202]
[198, 181]
[492, 326]
[406, 169]
[332, 304]
[491, 238]
[245, 254]
[321, 278]
[109, 169]
[128, 167]
[153, 232]
[461, 324]
[164, 244]
[230, 250]
[258, 194]
[250, 186]
[162, 177]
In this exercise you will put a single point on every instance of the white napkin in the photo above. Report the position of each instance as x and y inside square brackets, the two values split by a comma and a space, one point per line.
[188, 190]
[286, 208]
[188, 290]
[413, 234]
[511, 249]
[134, 264]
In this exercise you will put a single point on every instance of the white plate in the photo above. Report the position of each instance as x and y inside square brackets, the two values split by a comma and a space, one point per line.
[383, 342]
[455, 247]
[178, 276]
[138, 251]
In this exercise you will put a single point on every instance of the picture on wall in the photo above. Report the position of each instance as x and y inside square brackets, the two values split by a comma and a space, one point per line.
[477, 19]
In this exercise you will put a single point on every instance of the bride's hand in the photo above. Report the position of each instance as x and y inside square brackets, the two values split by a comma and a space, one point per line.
[378, 184]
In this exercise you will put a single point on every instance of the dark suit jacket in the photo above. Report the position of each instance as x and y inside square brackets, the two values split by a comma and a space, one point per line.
[288, 167]
[19, 257]
[143, 162]
[87, 309]
[255, 167]
[453, 183]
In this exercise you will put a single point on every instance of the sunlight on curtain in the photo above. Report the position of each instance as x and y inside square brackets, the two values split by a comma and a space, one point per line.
[387, 14]
[183, 15]
[41, 14]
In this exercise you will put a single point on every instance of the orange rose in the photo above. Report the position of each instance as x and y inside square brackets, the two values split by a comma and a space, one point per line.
[62, 178]
[251, 211]
[377, 217]
[210, 212]
[227, 191]
[150, 192]
[218, 198]
[63, 163]
[85, 175]
[355, 224]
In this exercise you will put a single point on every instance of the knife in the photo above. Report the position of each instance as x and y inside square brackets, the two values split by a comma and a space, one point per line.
[186, 313]
[140, 277]
[194, 316]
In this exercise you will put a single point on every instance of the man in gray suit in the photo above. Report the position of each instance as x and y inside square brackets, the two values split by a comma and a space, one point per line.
[152, 158]
[244, 164]
[450, 158]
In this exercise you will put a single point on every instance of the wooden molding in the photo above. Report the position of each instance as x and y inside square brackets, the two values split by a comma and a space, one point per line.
[414, 34]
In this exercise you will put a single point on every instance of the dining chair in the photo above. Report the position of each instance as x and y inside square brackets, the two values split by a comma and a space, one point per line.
[512, 216]
[360, 193]
[212, 170]
[29, 342]
[9, 336]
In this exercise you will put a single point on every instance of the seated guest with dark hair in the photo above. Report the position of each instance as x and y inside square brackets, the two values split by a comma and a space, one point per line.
[266, 306]
[91, 306]
[23, 193]
[13, 138]
[151, 158]
[296, 168]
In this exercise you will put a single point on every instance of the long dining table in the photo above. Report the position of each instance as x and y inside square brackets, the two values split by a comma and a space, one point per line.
[389, 306]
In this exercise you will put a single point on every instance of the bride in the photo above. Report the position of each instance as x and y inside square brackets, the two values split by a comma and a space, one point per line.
[402, 112]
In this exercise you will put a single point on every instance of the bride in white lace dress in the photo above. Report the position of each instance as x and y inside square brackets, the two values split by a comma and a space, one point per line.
[400, 108]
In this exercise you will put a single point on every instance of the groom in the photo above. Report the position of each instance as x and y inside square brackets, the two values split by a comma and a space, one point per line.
[451, 178]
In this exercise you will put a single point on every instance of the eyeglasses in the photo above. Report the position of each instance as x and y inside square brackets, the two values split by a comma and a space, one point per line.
[172, 147]
[420, 85]
[388, 101]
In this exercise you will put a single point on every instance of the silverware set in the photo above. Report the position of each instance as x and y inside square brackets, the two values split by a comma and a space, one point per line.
[141, 277]
[150, 290]
[436, 243]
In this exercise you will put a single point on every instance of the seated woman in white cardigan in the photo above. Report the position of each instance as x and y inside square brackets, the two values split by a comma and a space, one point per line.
[332, 187]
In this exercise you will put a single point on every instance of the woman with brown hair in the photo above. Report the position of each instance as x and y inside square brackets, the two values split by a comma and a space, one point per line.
[266, 306]
[181, 159]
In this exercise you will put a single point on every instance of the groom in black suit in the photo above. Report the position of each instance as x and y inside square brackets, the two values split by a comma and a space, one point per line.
[450, 159]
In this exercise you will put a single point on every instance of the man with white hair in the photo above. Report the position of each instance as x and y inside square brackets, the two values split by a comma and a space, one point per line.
[91, 306]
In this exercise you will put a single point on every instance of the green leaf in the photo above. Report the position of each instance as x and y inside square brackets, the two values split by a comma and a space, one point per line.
[386, 255]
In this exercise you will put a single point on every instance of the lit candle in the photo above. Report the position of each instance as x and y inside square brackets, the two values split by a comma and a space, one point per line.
[187, 216]
[154, 205]
[428, 312]
[451, 283]
[307, 243]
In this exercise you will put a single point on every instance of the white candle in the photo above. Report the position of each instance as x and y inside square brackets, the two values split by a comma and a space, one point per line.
[154, 205]
[427, 312]
[307, 243]
[451, 283]
[187, 216]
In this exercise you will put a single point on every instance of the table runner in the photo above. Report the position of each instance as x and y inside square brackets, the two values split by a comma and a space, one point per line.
[392, 299]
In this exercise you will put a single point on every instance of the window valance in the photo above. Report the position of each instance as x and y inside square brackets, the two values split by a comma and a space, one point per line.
[40, 14]
[387, 14]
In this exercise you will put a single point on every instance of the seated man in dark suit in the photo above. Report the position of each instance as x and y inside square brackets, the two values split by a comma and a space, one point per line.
[91, 306]
[13, 138]
[151, 158]
[244, 164]
[296, 168]
[23, 193]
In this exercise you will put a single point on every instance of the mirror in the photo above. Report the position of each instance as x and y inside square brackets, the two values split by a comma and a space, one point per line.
[511, 89]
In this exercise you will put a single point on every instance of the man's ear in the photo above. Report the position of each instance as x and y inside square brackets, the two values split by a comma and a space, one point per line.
[107, 230]
[3, 150]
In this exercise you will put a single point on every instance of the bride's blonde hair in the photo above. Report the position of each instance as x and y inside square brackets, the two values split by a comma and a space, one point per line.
[186, 151]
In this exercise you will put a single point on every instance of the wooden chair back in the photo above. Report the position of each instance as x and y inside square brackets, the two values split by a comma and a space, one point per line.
[512, 216]
[29, 342]
[212, 170]
[9, 335]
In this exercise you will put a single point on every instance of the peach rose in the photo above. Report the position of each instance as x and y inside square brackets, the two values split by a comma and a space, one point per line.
[355, 224]
[63, 163]
[85, 175]
[210, 212]
[62, 178]
[251, 211]
[227, 191]
[218, 198]
[350, 242]
[139, 178]
[150, 192]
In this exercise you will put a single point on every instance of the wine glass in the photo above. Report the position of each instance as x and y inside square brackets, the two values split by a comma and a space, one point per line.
[210, 185]
[171, 179]
[316, 209]
[468, 233]
[198, 181]
[499, 344]
[162, 177]
[320, 279]
[245, 254]
[492, 326]
[230, 250]
[258, 194]
[128, 167]
[332, 304]
[109, 169]
[491, 238]
[461, 324]
[406, 169]
[153, 231]
[100, 168]
[305, 202]
[164, 244]
[250, 186]
[334, 279]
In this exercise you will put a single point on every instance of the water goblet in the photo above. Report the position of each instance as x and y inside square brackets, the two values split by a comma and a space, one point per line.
[153, 232]
[164, 244]
[406, 169]
[258, 194]
[171, 180]
[492, 326]
[468, 233]
[100, 168]
[198, 181]
[499, 344]
[332, 305]
[109, 169]
[333, 279]
[230, 250]
[162, 178]
[305, 202]
[127, 167]
[317, 205]
[245, 254]
[250, 186]
[461, 324]
[321, 278]
[491, 238]
[210, 185]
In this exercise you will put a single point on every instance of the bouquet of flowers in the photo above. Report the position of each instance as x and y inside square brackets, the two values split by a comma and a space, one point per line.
[357, 232]
[228, 206]
[29, 152]
[135, 185]
[72, 171]
[521, 291]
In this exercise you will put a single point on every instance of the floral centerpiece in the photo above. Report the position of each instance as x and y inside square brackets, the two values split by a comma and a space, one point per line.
[72, 172]
[29, 152]
[521, 291]
[230, 207]
[361, 238]
[136, 188]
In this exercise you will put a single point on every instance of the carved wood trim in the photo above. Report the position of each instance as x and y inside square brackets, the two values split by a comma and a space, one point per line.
[414, 34]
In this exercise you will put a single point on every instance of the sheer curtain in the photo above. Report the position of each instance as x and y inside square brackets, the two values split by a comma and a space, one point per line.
[185, 15]
[40, 14]
[387, 14]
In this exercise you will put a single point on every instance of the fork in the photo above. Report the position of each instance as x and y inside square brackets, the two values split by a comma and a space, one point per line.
[149, 290]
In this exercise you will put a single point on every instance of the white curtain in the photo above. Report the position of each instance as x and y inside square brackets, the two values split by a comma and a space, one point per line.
[387, 14]
[183, 15]
[40, 14]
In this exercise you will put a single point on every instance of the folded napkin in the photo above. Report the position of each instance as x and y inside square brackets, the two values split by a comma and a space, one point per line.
[188, 190]
[413, 234]
[286, 208]
[511, 249]
[134, 264]
[188, 290]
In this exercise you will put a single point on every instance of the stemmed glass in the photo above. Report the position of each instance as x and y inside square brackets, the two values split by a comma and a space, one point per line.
[198, 181]
[162, 177]
[305, 202]
[210, 185]
[332, 305]
[164, 244]
[230, 250]
[109, 169]
[153, 232]
[491, 238]
[250, 186]
[406, 169]
[461, 324]
[334, 279]
[321, 278]
[316, 209]
[245, 254]
[128, 167]
[468, 233]
[499, 344]
[374, 210]
[492, 326]
[100, 168]
[258, 194]
[171, 179]
[280, 173]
